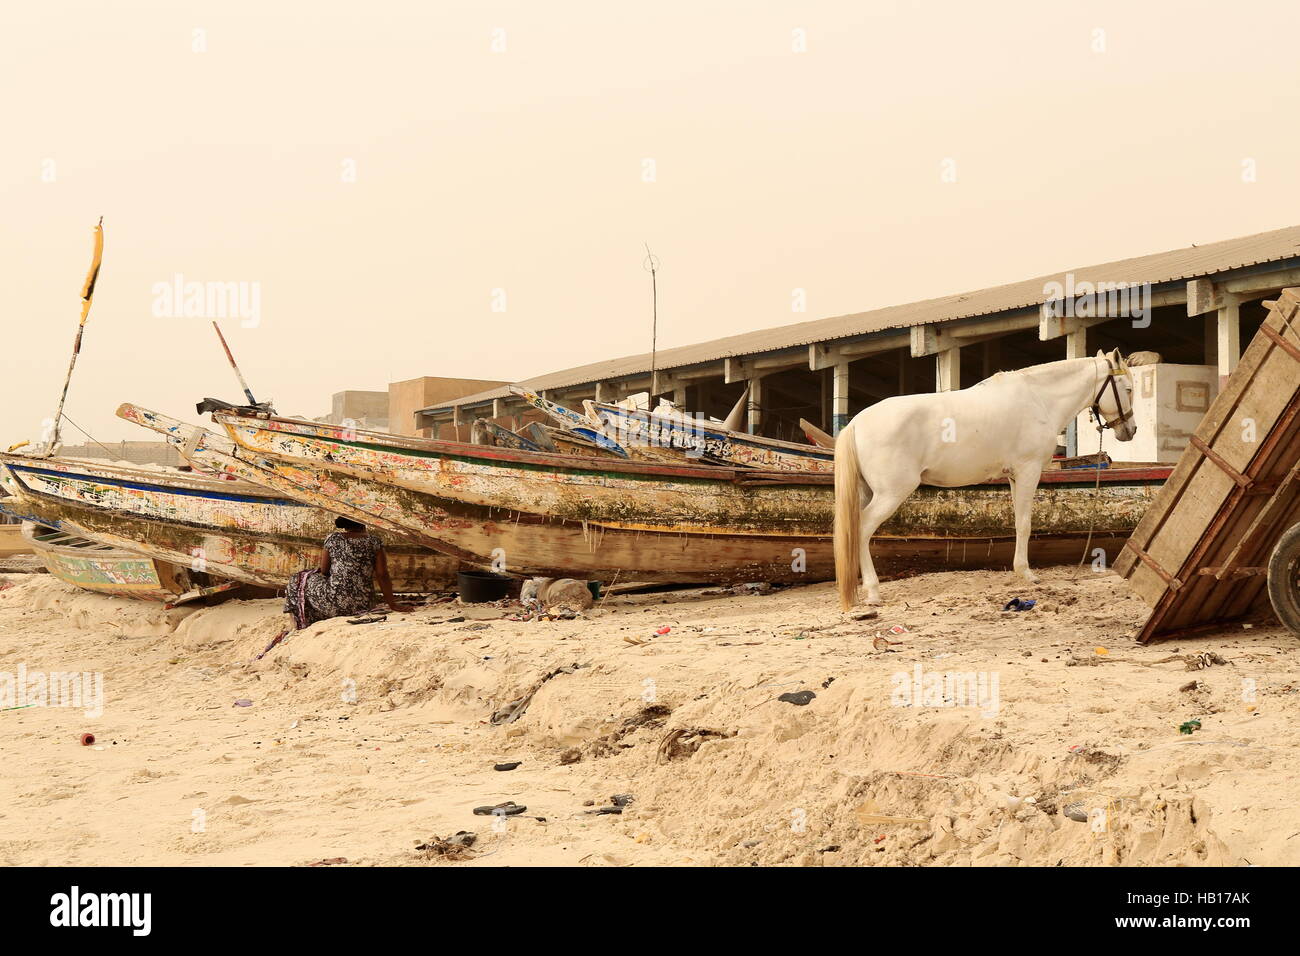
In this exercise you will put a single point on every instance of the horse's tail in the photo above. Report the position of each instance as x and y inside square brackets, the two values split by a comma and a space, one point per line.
[848, 518]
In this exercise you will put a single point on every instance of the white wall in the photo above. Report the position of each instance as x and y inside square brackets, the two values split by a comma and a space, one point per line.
[1168, 403]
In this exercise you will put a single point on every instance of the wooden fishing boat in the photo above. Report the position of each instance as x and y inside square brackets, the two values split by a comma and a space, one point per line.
[234, 530]
[573, 422]
[670, 435]
[538, 513]
[561, 441]
[538, 437]
[486, 432]
[103, 569]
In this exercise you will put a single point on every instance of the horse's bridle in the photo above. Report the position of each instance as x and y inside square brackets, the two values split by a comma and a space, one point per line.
[1095, 407]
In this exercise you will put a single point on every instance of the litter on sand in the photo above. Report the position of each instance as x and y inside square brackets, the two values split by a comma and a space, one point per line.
[799, 698]
[507, 809]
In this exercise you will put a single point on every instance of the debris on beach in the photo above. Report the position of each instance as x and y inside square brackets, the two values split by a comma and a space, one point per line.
[515, 709]
[684, 741]
[800, 698]
[458, 846]
[617, 803]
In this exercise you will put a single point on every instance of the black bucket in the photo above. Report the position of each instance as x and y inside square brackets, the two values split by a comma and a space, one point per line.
[480, 587]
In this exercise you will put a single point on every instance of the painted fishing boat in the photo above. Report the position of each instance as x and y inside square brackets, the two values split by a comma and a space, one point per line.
[537, 513]
[234, 530]
[561, 441]
[573, 421]
[671, 435]
[538, 437]
[103, 569]
[485, 432]
[701, 438]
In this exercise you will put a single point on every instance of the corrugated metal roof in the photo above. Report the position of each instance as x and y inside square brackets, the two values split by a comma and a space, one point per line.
[1177, 264]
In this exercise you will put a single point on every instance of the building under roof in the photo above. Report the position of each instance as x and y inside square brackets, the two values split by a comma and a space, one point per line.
[825, 370]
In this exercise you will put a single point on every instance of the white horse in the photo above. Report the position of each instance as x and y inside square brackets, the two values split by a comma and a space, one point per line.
[1006, 425]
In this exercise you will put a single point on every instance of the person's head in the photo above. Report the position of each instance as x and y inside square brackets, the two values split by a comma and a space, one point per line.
[347, 524]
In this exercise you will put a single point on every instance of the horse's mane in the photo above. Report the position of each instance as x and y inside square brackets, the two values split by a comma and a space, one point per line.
[1020, 371]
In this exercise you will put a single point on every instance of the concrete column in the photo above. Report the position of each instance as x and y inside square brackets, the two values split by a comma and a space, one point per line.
[992, 356]
[755, 408]
[840, 398]
[1228, 339]
[1076, 346]
[947, 369]
[1211, 330]
[679, 397]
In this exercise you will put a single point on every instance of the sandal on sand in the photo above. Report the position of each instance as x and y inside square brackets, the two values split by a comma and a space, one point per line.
[507, 809]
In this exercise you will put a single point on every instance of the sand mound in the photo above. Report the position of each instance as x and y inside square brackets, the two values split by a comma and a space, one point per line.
[1053, 739]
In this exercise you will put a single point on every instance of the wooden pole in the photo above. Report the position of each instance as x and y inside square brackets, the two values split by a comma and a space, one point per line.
[1228, 347]
[87, 293]
[238, 374]
[840, 398]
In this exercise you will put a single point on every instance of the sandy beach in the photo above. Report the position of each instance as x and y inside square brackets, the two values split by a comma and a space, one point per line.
[360, 742]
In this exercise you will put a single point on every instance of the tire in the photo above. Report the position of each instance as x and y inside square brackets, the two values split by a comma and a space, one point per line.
[1284, 579]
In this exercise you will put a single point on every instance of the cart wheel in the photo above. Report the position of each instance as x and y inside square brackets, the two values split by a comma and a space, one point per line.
[1284, 579]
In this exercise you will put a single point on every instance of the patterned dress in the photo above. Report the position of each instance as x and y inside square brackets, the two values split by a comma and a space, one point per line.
[348, 588]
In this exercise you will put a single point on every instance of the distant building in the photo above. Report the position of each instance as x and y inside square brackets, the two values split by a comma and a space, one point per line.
[364, 409]
[136, 452]
[1194, 306]
[406, 398]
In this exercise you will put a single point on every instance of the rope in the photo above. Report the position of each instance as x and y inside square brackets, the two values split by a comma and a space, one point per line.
[111, 456]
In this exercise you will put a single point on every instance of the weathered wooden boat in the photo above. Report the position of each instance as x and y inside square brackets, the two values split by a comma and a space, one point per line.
[537, 513]
[103, 569]
[574, 422]
[234, 530]
[561, 441]
[700, 438]
[671, 435]
[538, 437]
[487, 432]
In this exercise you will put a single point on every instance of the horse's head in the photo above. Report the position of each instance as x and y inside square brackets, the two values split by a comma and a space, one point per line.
[1113, 403]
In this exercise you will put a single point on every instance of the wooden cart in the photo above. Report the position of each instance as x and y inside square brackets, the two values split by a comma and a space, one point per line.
[1221, 541]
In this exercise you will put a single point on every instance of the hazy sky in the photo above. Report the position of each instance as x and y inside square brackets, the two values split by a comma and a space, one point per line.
[218, 140]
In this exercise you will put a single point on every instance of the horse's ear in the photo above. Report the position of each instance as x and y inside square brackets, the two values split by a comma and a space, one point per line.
[1101, 353]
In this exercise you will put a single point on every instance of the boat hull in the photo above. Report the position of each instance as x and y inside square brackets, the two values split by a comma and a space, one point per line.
[548, 514]
[102, 569]
[231, 530]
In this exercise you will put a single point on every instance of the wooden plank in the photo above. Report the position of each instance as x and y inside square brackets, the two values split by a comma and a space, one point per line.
[1213, 525]
[1200, 445]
